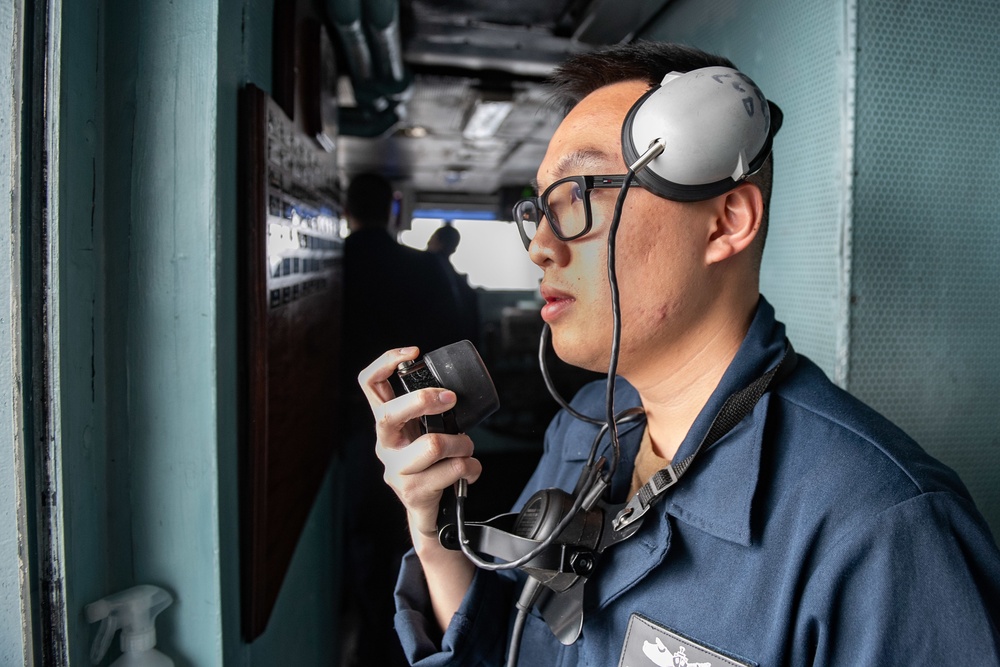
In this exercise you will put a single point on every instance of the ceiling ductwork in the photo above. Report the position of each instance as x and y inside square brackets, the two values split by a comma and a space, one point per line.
[614, 21]
[369, 35]
[450, 94]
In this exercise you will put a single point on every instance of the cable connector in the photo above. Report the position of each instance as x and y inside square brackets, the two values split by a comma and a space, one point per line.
[656, 147]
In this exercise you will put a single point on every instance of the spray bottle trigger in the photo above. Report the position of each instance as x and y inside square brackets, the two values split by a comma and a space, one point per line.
[133, 611]
[161, 600]
[101, 611]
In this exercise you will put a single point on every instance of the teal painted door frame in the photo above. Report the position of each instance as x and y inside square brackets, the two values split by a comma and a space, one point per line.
[16, 626]
[136, 261]
[119, 358]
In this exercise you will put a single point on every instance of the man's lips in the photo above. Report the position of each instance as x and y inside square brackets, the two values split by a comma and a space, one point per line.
[556, 302]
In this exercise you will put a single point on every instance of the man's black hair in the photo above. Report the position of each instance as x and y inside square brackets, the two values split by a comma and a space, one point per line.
[447, 238]
[584, 73]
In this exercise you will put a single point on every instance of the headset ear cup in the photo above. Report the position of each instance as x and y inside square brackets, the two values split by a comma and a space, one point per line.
[777, 117]
[716, 125]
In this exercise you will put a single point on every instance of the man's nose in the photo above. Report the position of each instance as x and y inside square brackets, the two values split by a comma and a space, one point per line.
[545, 247]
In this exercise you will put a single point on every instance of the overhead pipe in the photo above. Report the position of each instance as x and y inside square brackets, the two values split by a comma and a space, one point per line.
[369, 31]
[346, 18]
[382, 21]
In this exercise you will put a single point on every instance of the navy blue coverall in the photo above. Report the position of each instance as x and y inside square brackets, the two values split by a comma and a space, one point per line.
[814, 533]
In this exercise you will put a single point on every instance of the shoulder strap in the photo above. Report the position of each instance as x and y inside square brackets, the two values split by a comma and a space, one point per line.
[734, 410]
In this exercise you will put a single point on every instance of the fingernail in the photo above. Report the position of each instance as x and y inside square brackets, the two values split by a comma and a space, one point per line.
[407, 350]
[447, 396]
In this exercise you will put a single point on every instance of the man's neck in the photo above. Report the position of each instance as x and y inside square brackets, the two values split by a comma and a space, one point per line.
[675, 387]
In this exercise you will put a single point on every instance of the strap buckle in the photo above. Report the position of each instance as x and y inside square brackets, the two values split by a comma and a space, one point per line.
[646, 497]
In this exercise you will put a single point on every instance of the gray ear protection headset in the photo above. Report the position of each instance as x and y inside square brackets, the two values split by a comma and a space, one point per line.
[715, 128]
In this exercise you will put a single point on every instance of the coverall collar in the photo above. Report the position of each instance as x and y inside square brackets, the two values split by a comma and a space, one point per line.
[716, 493]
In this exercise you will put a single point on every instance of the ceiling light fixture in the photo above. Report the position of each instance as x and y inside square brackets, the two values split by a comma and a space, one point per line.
[486, 119]
[414, 132]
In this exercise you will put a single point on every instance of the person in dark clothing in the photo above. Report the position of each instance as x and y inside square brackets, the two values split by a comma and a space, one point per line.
[393, 295]
[442, 244]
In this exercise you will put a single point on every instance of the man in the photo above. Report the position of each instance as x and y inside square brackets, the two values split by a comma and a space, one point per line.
[392, 295]
[442, 244]
[813, 532]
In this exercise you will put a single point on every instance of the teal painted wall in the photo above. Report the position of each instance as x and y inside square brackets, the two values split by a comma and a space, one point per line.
[137, 307]
[884, 243]
[147, 302]
[89, 492]
[303, 629]
[925, 324]
[15, 625]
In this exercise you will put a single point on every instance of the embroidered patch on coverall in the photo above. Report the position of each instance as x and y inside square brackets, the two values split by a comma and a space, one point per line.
[650, 645]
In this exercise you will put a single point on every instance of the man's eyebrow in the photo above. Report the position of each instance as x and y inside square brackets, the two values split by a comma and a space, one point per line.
[587, 161]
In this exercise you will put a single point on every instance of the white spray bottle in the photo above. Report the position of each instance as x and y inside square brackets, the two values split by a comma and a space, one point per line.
[133, 610]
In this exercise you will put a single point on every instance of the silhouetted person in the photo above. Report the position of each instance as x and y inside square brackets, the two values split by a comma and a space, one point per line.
[442, 244]
[394, 296]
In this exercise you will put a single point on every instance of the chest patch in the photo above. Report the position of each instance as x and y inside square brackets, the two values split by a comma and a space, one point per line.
[650, 645]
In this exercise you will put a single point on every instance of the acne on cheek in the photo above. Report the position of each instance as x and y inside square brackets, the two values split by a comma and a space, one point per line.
[651, 311]
[648, 256]
[658, 314]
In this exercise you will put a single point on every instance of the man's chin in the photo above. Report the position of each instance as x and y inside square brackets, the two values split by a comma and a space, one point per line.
[580, 355]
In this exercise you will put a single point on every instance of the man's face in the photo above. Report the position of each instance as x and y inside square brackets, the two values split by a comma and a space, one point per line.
[663, 276]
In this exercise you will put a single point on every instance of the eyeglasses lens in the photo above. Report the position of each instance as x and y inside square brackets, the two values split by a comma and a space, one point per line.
[566, 211]
[526, 215]
[564, 207]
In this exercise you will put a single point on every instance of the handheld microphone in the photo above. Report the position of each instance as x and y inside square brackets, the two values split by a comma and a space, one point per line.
[457, 367]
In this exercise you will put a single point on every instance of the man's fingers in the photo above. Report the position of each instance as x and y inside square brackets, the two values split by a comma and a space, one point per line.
[392, 417]
[424, 489]
[431, 463]
[374, 379]
[425, 451]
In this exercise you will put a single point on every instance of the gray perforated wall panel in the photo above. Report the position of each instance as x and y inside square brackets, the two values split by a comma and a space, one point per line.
[884, 252]
[925, 325]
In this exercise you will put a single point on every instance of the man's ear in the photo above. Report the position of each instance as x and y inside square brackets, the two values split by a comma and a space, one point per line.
[738, 215]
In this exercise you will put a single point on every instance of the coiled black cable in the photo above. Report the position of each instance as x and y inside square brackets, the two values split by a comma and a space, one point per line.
[616, 334]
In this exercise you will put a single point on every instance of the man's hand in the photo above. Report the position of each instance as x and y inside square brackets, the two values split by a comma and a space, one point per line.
[417, 467]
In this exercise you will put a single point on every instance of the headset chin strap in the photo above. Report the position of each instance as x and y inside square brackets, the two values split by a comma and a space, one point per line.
[560, 568]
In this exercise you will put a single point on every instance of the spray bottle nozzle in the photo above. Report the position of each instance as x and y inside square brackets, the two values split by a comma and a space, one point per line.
[134, 610]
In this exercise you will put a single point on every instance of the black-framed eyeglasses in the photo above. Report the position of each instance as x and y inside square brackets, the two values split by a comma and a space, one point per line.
[565, 204]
